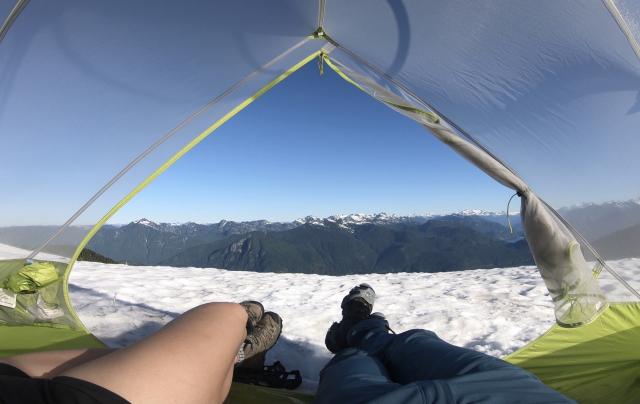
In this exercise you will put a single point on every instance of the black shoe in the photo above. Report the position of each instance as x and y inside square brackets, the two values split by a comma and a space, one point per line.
[264, 336]
[356, 306]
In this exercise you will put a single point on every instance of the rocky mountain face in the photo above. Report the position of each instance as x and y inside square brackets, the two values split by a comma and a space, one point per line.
[438, 245]
[341, 243]
[620, 244]
[595, 221]
[144, 242]
[336, 245]
[612, 227]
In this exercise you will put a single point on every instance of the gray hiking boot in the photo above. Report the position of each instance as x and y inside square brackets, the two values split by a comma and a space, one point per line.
[255, 311]
[264, 336]
[356, 306]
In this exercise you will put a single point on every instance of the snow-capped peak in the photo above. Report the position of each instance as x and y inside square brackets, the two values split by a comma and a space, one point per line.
[473, 212]
[345, 221]
[146, 222]
[480, 212]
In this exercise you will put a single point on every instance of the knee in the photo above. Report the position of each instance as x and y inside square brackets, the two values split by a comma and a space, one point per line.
[422, 332]
[217, 309]
[228, 306]
[416, 336]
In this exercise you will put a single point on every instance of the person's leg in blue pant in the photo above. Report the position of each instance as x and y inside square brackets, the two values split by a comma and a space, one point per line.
[418, 367]
[419, 359]
[353, 376]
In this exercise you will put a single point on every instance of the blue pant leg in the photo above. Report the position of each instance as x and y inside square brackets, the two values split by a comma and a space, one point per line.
[419, 354]
[427, 370]
[353, 376]
[504, 385]
[499, 386]
[447, 373]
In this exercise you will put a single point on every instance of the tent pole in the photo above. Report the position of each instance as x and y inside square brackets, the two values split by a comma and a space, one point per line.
[622, 24]
[320, 23]
[13, 14]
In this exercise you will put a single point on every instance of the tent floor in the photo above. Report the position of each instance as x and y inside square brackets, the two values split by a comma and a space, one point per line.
[250, 394]
[22, 339]
[598, 362]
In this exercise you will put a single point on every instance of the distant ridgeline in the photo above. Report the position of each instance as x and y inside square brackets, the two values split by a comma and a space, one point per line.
[337, 245]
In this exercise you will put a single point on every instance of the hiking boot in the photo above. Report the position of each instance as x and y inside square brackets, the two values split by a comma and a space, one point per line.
[356, 306]
[264, 336]
[255, 311]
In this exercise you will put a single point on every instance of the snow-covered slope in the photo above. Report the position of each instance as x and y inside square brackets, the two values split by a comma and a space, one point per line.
[492, 310]
[8, 252]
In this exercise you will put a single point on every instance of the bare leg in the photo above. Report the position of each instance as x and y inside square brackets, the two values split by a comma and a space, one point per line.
[188, 361]
[52, 363]
[226, 385]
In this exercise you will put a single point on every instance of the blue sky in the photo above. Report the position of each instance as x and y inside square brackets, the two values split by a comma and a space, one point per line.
[314, 145]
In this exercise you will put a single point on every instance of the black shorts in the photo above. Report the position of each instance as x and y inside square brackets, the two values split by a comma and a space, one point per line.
[17, 387]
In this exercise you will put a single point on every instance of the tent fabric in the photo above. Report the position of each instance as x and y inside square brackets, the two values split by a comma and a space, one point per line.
[250, 394]
[541, 96]
[599, 362]
[41, 296]
[20, 339]
[32, 277]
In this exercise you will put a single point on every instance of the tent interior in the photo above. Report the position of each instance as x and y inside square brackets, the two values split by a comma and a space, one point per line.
[539, 97]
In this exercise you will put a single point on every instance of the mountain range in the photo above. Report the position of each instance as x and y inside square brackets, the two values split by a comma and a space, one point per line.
[438, 245]
[336, 245]
[613, 228]
[341, 244]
